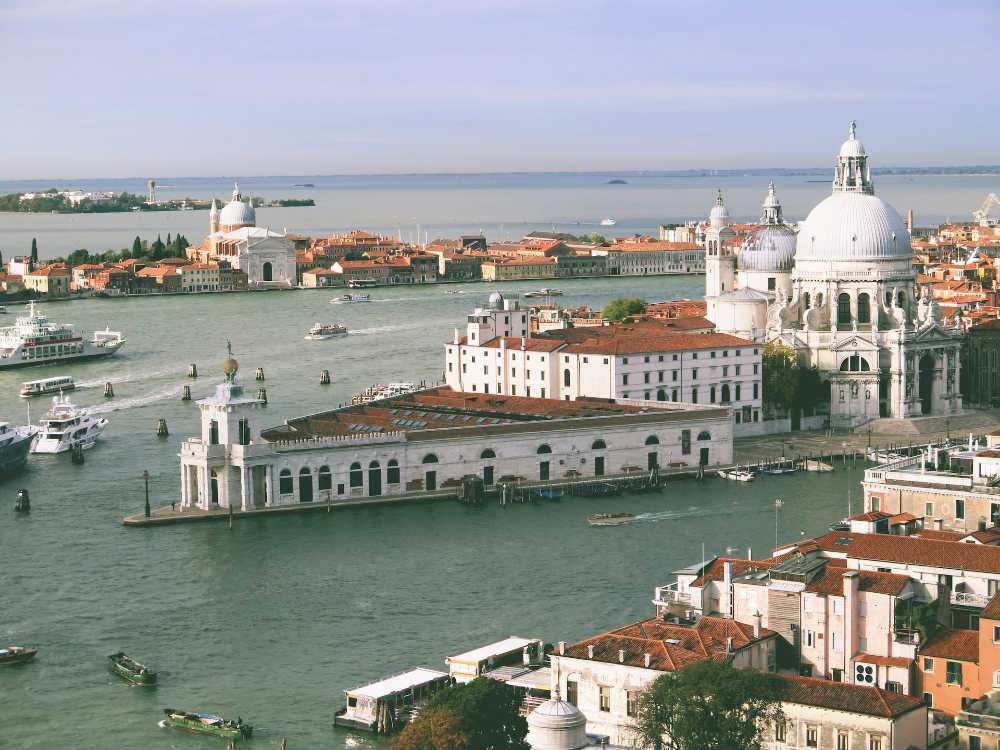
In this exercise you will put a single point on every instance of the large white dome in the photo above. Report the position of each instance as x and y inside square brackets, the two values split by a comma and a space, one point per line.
[236, 212]
[853, 226]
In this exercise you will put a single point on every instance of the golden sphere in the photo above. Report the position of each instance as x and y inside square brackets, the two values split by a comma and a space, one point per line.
[230, 366]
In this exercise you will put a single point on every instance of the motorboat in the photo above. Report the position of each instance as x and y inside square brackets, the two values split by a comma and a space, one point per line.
[45, 386]
[205, 723]
[321, 331]
[131, 671]
[34, 340]
[348, 298]
[610, 519]
[736, 475]
[608, 222]
[15, 444]
[17, 654]
[66, 426]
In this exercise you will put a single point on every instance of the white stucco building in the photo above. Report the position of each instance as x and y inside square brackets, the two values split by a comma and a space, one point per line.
[428, 441]
[267, 257]
[643, 360]
[841, 293]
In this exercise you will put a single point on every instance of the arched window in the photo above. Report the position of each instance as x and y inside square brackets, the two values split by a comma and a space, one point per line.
[900, 299]
[661, 395]
[488, 453]
[325, 478]
[430, 458]
[888, 298]
[864, 308]
[652, 440]
[357, 475]
[844, 310]
[285, 486]
[806, 299]
[566, 377]
[244, 432]
[598, 445]
[704, 435]
[725, 393]
[392, 472]
[267, 272]
[819, 299]
[711, 395]
[305, 485]
[854, 363]
[213, 433]
[543, 449]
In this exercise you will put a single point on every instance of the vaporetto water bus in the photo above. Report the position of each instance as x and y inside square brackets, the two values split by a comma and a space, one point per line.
[33, 340]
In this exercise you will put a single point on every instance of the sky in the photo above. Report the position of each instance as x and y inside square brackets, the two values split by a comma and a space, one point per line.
[121, 88]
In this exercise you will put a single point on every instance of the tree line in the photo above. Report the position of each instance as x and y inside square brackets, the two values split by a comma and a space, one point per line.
[158, 249]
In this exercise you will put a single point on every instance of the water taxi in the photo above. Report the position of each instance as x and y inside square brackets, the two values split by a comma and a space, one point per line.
[610, 519]
[66, 426]
[321, 331]
[737, 475]
[348, 298]
[46, 386]
[33, 340]
[202, 723]
[17, 654]
[131, 671]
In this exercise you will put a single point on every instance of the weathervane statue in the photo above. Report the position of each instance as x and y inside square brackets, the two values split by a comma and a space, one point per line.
[230, 366]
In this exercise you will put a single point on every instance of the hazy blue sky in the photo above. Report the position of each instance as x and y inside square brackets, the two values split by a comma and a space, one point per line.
[121, 88]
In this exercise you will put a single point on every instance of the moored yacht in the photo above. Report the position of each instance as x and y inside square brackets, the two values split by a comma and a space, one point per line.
[15, 442]
[66, 426]
[33, 340]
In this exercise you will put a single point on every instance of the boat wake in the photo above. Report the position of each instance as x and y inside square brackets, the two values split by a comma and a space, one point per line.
[138, 402]
[130, 377]
[162, 724]
[669, 515]
[387, 329]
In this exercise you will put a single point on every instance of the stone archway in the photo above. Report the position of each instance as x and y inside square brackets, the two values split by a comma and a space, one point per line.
[926, 383]
[267, 274]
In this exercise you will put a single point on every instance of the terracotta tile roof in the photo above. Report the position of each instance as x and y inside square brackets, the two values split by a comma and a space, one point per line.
[670, 646]
[939, 535]
[843, 696]
[647, 341]
[910, 550]
[992, 610]
[986, 536]
[902, 518]
[885, 661]
[960, 645]
[831, 582]
[872, 515]
[715, 569]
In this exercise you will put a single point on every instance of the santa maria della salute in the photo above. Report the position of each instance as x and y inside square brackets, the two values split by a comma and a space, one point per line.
[840, 291]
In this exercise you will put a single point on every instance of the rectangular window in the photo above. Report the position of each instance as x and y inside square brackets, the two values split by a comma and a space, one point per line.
[929, 509]
[875, 743]
[928, 664]
[842, 740]
[953, 673]
[646, 359]
[812, 736]
[659, 376]
[513, 390]
[543, 393]
[755, 369]
[686, 442]
[632, 703]
[810, 638]
[694, 374]
[779, 730]
[571, 692]
[756, 393]
[624, 360]
[694, 395]
[975, 743]
[674, 376]
[996, 633]
[625, 379]
[675, 358]
[737, 369]
[725, 371]
[604, 698]
[959, 508]
[645, 377]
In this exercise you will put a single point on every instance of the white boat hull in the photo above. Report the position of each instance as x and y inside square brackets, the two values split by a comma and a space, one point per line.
[85, 437]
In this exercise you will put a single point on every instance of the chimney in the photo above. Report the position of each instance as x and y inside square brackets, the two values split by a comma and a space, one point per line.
[524, 343]
[562, 648]
[852, 583]
[456, 337]
[909, 221]
[647, 660]
[621, 656]
[590, 652]
[729, 645]
[756, 625]
[526, 656]
[727, 589]
[749, 553]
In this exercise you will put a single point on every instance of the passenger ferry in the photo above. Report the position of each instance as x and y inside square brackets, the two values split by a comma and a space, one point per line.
[379, 391]
[351, 298]
[321, 331]
[47, 385]
[33, 340]
[65, 426]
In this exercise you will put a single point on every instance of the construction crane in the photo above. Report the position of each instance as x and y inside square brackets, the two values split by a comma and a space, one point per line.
[982, 214]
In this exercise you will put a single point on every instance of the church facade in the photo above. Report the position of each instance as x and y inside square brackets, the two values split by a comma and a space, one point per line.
[267, 257]
[841, 292]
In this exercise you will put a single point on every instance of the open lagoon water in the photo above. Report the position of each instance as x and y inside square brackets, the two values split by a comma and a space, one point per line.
[505, 206]
[273, 619]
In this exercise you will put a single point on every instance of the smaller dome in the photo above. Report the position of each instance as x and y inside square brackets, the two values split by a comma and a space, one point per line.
[769, 248]
[557, 725]
[236, 213]
[496, 301]
[852, 147]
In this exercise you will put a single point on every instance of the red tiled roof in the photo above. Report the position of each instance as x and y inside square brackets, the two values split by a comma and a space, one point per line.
[670, 646]
[960, 645]
[716, 569]
[831, 582]
[911, 550]
[940, 535]
[843, 696]
[885, 661]
[902, 518]
[992, 610]
[872, 515]
[646, 340]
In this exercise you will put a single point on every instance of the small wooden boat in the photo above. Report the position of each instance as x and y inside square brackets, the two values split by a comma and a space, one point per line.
[610, 519]
[812, 464]
[17, 654]
[131, 671]
[203, 723]
[737, 475]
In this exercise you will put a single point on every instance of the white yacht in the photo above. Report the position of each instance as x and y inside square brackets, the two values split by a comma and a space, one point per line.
[65, 426]
[321, 331]
[608, 222]
[33, 340]
[351, 298]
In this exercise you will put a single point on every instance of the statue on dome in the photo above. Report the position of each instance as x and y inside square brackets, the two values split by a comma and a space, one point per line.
[230, 367]
[853, 129]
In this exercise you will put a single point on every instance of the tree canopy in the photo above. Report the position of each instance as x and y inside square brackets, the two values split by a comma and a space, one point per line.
[709, 704]
[433, 729]
[487, 712]
[619, 309]
[786, 384]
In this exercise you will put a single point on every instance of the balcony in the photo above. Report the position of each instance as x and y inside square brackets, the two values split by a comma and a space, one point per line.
[968, 599]
[669, 595]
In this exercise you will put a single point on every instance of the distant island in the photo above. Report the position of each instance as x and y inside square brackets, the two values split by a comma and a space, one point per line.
[616, 182]
[53, 201]
[303, 184]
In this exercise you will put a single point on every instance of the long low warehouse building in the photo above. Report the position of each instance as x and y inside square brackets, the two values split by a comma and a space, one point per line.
[428, 441]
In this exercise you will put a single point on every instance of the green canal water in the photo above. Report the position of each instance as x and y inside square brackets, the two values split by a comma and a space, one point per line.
[273, 619]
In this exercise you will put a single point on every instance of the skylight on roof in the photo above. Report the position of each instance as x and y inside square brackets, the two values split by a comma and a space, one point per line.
[843, 540]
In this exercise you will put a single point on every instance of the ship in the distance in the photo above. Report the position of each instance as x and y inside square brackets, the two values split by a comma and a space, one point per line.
[33, 340]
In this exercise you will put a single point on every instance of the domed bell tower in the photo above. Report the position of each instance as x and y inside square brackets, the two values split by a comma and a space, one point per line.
[230, 417]
[720, 262]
